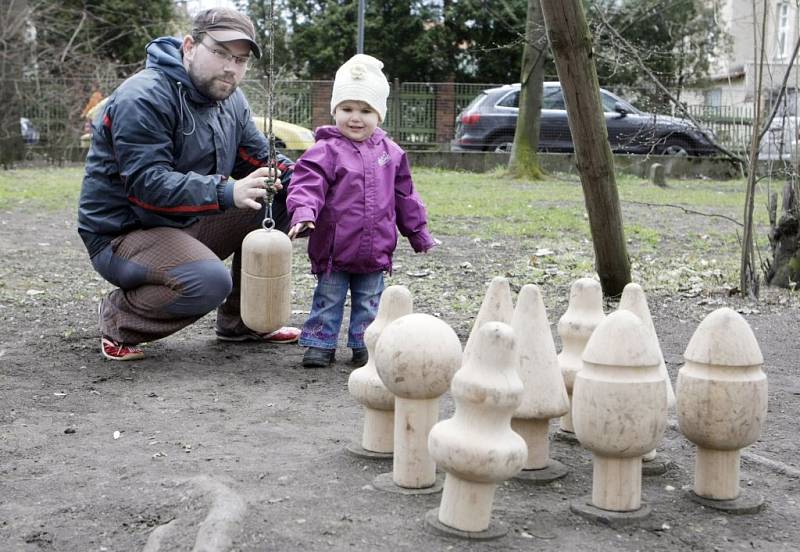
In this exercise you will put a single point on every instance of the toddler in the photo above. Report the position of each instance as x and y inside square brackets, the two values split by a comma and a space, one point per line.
[352, 191]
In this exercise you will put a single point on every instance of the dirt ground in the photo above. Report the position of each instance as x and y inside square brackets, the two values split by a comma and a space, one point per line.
[208, 446]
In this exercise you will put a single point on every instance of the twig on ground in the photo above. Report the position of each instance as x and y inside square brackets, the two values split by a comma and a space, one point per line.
[684, 209]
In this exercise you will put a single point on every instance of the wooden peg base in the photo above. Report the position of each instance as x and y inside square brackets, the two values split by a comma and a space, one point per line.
[551, 472]
[385, 482]
[584, 508]
[357, 450]
[746, 503]
[656, 467]
[495, 530]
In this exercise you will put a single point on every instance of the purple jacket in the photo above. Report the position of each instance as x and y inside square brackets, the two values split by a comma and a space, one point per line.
[357, 194]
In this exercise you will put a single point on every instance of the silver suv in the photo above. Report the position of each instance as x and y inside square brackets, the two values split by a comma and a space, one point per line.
[488, 123]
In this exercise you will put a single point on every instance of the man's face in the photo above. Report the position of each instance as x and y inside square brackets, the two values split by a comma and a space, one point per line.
[216, 68]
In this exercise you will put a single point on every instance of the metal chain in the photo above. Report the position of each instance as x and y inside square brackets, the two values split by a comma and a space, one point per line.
[272, 163]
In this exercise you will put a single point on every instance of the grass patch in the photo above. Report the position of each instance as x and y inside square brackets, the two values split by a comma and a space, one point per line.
[48, 189]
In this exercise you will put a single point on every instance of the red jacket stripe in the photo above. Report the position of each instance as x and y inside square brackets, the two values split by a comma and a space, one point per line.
[177, 209]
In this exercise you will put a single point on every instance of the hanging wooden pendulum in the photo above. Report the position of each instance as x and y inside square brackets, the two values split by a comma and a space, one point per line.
[267, 253]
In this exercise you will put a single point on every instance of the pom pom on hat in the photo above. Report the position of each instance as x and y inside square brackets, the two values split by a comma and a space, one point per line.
[361, 79]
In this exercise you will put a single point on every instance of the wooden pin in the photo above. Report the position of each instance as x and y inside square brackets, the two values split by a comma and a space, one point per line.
[416, 357]
[366, 386]
[722, 405]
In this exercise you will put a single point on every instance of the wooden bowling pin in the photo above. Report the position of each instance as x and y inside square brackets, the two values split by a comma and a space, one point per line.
[544, 395]
[416, 357]
[266, 280]
[634, 300]
[722, 400]
[619, 408]
[584, 313]
[497, 306]
[366, 386]
[476, 447]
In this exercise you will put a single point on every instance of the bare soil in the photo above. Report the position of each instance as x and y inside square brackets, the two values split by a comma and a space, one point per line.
[235, 446]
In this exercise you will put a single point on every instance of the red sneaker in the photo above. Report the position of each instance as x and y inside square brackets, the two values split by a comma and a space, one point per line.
[286, 334]
[118, 351]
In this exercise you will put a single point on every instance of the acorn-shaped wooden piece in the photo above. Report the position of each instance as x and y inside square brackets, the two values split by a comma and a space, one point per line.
[545, 395]
[722, 401]
[266, 280]
[584, 312]
[477, 447]
[366, 386]
[497, 306]
[619, 408]
[416, 357]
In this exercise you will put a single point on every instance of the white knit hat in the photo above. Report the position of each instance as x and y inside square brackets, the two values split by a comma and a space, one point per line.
[361, 79]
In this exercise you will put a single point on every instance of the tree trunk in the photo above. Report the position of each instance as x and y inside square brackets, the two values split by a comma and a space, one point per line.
[12, 61]
[572, 47]
[784, 240]
[524, 162]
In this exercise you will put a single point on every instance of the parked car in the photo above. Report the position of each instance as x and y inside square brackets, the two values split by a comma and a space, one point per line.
[489, 121]
[288, 136]
[29, 133]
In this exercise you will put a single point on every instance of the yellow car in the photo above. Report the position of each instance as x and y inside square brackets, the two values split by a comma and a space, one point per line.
[288, 136]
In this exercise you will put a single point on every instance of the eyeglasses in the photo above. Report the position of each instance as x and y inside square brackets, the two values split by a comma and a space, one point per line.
[222, 55]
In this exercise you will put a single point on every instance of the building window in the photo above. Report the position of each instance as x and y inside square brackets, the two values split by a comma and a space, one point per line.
[783, 31]
[714, 97]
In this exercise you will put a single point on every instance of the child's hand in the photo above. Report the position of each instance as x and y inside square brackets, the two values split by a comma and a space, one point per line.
[436, 242]
[299, 228]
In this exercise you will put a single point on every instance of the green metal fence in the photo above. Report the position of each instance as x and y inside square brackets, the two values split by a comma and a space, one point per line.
[420, 115]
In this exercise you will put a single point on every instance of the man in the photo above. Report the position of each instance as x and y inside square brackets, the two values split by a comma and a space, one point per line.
[174, 180]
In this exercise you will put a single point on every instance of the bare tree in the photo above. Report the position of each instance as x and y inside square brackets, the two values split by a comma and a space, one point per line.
[572, 47]
[524, 161]
[14, 17]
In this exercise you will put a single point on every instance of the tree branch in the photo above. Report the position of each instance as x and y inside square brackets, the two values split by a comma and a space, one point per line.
[684, 209]
[72, 38]
[637, 58]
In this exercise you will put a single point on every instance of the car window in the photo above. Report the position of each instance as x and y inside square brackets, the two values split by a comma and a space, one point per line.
[553, 99]
[475, 101]
[608, 102]
[510, 100]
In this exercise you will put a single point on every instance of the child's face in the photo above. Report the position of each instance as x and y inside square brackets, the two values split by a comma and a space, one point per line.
[356, 120]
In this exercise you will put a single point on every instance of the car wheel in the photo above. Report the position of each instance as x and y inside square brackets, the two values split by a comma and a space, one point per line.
[502, 144]
[677, 147]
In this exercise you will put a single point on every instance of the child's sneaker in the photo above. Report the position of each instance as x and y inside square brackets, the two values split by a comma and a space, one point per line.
[316, 357]
[360, 357]
[119, 351]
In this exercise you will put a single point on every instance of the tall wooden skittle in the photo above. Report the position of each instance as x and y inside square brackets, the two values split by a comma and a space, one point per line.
[722, 405]
[364, 384]
[416, 357]
[476, 447]
[634, 300]
[544, 395]
[497, 306]
[619, 410]
[584, 313]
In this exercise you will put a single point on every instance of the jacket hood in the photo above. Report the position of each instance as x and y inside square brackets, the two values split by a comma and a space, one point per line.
[330, 131]
[164, 54]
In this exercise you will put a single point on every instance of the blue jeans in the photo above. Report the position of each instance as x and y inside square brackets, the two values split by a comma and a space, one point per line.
[327, 308]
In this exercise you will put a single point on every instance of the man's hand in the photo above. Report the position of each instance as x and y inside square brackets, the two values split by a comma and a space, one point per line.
[250, 190]
[299, 228]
